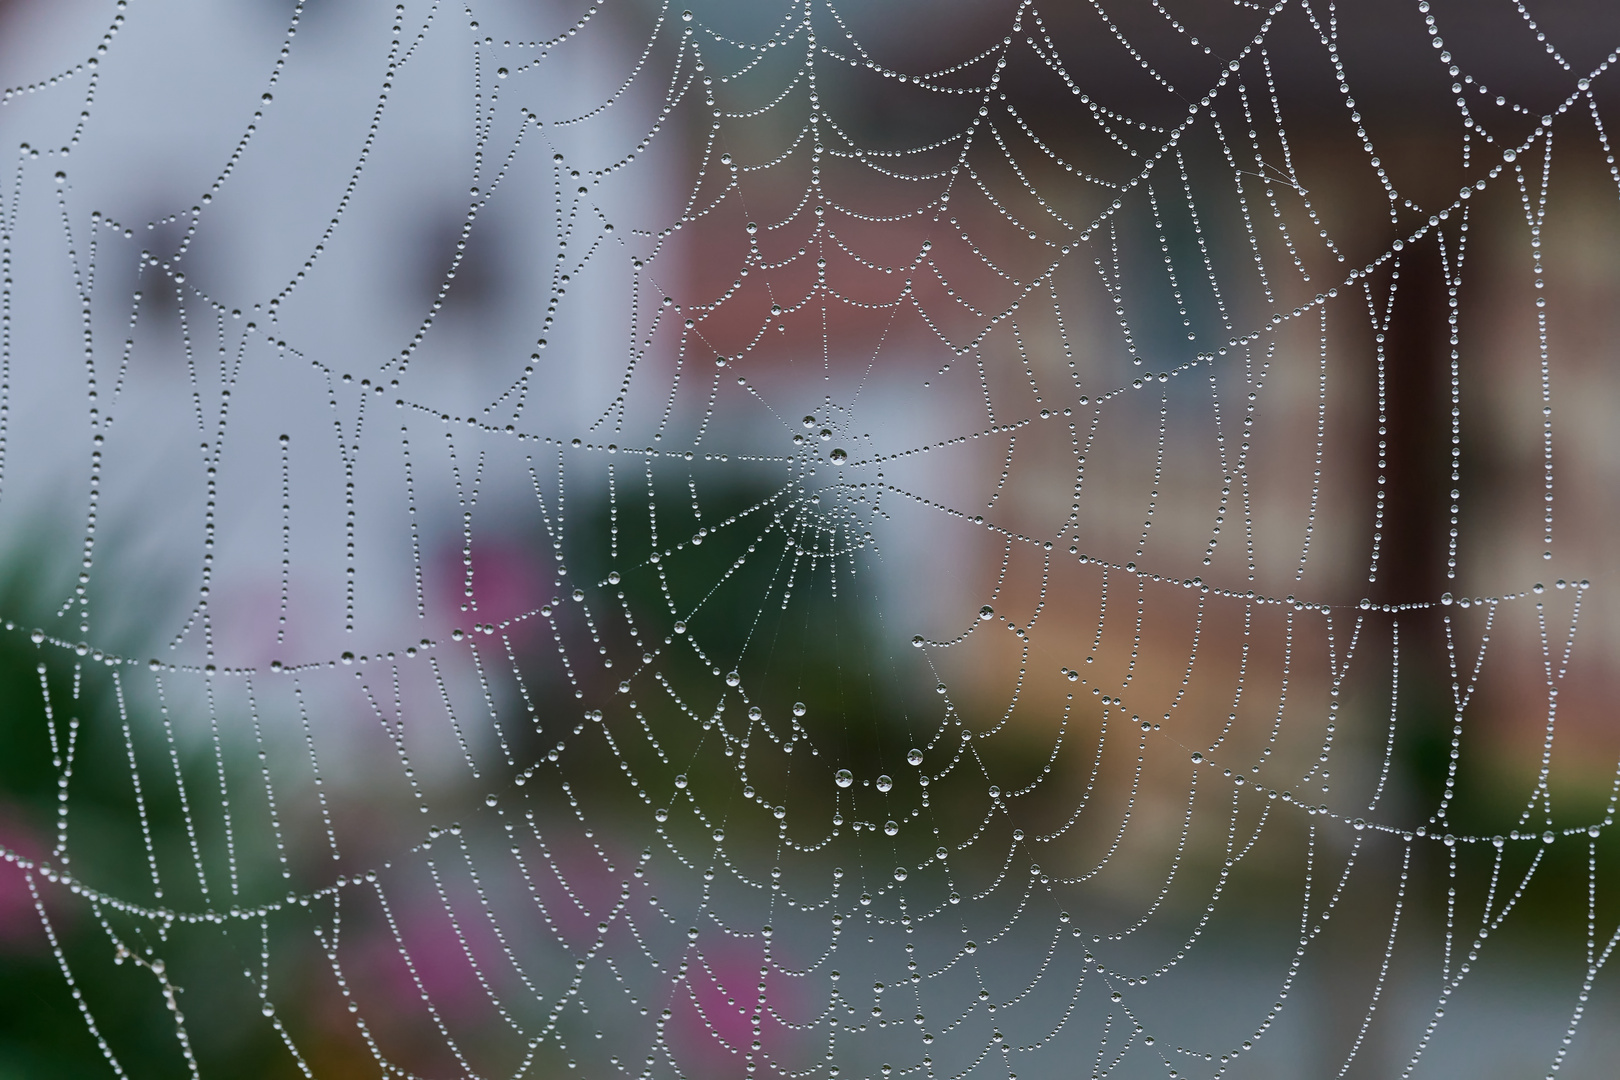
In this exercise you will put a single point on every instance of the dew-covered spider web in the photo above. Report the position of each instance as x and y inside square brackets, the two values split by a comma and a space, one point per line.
[809, 539]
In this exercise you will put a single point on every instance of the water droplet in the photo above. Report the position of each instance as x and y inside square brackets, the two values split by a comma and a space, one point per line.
[899, 873]
[754, 713]
[579, 594]
[839, 456]
[680, 781]
[799, 709]
[613, 578]
[501, 73]
[890, 828]
[348, 658]
[914, 756]
[884, 783]
[844, 777]
[686, 16]
[1197, 756]
[917, 642]
[987, 613]
[733, 679]
[680, 628]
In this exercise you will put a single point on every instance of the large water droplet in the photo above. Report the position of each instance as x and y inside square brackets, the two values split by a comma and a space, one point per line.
[733, 679]
[839, 456]
[987, 613]
[914, 756]
[884, 783]
[844, 777]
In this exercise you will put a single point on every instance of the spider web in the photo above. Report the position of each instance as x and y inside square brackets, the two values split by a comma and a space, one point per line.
[809, 540]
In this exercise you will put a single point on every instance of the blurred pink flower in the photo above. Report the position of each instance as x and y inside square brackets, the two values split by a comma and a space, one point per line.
[20, 930]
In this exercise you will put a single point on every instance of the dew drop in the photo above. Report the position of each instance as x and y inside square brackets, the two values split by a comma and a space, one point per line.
[914, 756]
[884, 783]
[839, 456]
[844, 777]
[987, 613]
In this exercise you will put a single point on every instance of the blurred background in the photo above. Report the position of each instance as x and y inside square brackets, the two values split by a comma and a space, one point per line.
[954, 539]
